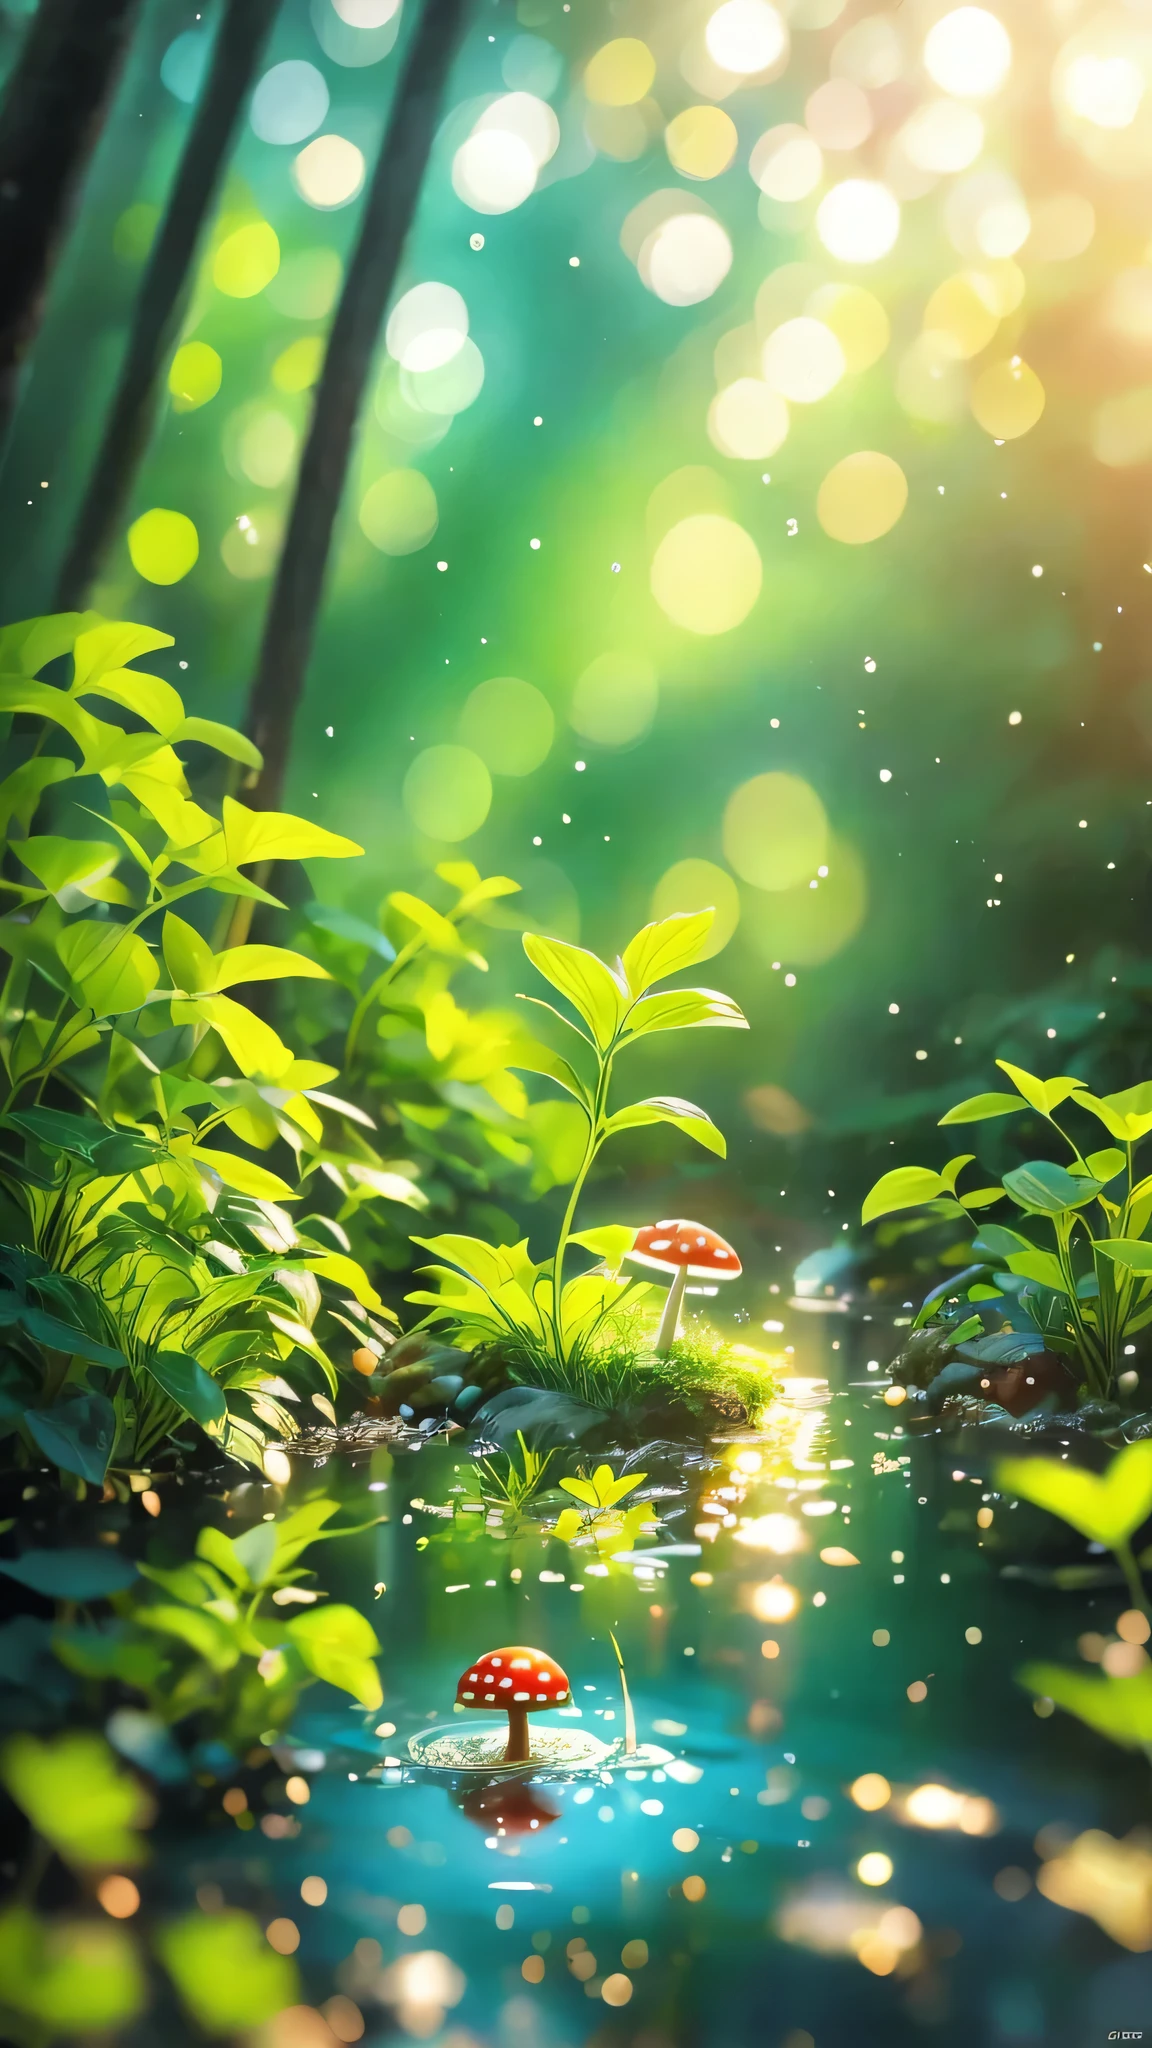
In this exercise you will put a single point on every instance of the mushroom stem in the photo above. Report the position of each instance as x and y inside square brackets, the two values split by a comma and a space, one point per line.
[519, 1750]
[670, 1320]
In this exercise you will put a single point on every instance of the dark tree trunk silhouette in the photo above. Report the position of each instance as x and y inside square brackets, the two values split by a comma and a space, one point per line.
[52, 114]
[163, 294]
[391, 203]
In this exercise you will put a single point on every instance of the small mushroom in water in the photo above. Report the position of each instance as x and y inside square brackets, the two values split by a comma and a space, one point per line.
[520, 1680]
[681, 1248]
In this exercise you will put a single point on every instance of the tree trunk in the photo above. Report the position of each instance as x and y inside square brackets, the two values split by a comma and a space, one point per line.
[50, 121]
[388, 211]
[240, 39]
[519, 1750]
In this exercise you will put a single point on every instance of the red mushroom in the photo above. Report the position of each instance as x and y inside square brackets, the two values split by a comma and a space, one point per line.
[679, 1247]
[514, 1807]
[520, 1680]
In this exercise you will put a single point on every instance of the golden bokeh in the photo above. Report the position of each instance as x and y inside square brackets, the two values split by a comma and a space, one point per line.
[298, 366]
[700, 885]
[775, 831]
[930, 380]
[510, 724]
[329, 172]
[695, 488]
[1007, 399]
[803, 926]
[862, 497]
[250, 547]
[1122, 429]
[858, 220]
[246, 261]
[747, 420]
[772, 1108]
[163, 545]
[398, 512]
[194, 376]
[448, 793]
[615, 699]
[620, 73]
[623, 133]
[959, 308]
[706, 574]
[701, 142]
[787, 163]
[803, 360]
[856, 318]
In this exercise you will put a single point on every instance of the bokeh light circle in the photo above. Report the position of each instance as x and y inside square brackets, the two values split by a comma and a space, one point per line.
[1007, 399]
[366, 13]
[510, 724]
[786, 163]
[163, 545]
[290, 102]
[862, 497]
[700, 885]
[250, 548]
[427, 327]
[802, 360]
[802, 926]
[942, 136]
[449, 388]
[706, 574]
[246, 260]
[306, 285]
[620, 73]
[857, 319]
[858, 220]
[329, 172]
[525, 115]
[686, 259]
[748, 420]
[494, 171]
[266, 448]
[968, 52]
[298, 366]
[447, 793]
[775, 831]
[964, 309]
[615, 699]
[194, 375]
[839, 114]
[746, 37]
[399, 513]
[701, 142]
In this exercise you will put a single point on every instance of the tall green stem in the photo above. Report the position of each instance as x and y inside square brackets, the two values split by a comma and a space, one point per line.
[1132, 1577]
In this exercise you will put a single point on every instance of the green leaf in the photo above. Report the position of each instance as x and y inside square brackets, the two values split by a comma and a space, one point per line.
[684, 1009]
[111, 644]
[664, 948]
[337, 1644]
[75, 1977]
[76, 1434]
[59, 1131]
[112, 968]
[224, 738]
[228, 1976]
[1104, 1166]
[1119, 1708]
[219, 1550]
[276, 835]
[1133, 1252]
[244, 1175]
[978, 1108]
[76, 1795]
[20, 792]
[328, 917]
[1000, 1241]
[61, 863]
[1107, 1509]
[204, 1633]
[256, 1551]
[263, 963]
[150, 697]
[1048, 1189]
[582, 1490]
[1044, 1096]
[906, 1187]
[590, 987]
[187, 1383]
[536, 1058]
[981, 1198]
[950, 1174]
[1040, 1266]
[610, 1241]
[30, 644]
[255, 1047]
[71, 1574]
[669, 1109]
[188, 957]
[346, 1272]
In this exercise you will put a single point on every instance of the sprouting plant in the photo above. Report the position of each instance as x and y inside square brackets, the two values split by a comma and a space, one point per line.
[1107, 1507]
[603, 1490]
[598, 1515]
[510, 1486]
[499, 1293]
[1089, 1288]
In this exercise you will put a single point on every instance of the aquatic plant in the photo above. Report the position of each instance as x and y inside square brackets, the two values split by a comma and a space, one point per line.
[508, 1486]
[150, 1277]
[569, 1334]
[1087, 1288]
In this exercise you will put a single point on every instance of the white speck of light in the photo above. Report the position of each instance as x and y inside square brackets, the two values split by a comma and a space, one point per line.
[885, 775]
[539, 420]
[1014, 717]
[580, 767]
[573, 263]
[893, 1009]
[330, 730]
[564, 818]
[537, 841]
[774, 723]
[869, 665]
[533, 543]
[921, 1055]
[1051, 1033]
[441, 566]
[1083, 824]
[1037, 568]
[789, 981]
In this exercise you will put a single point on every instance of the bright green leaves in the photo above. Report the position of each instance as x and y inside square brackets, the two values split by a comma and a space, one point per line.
[1107, 1508]
[192, 1389]
[76, 1795]
[1128, 1116]
[337, 1644]
[439, 933]
[1048, 1190]
[683, 1009]
[665, 948]
[611, 1242]
[906, 1187]
[111, 968]
[979, 1108]
[68, 1976]
[603, 1490]
[669, 1109]
[228, 1977]
[1118, 1708]
[196, 970]
[275, 835]
[592, 989]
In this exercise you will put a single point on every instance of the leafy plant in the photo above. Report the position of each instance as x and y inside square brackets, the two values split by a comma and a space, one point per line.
[1118, 1708]
[208, 1641]
[151, 1276]
[1089, 1287]
[1108, 1507]
[509, 1488]
[550, 1330]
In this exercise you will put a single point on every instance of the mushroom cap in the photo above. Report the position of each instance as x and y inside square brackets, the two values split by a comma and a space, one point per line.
[677, 1242]
[515, 1676]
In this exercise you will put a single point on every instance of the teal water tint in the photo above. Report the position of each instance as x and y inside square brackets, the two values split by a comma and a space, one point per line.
[763, 1750]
